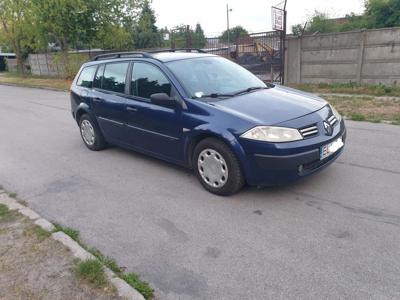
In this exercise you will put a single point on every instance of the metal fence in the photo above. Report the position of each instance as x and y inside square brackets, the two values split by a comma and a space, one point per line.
[260, 53]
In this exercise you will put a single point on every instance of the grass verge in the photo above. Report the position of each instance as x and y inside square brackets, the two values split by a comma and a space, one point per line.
[73, 234]
[92, 272]
[349, 88]
[365, 108]
[142, 287]
[3, 210]
[35, 81]
[131, 278]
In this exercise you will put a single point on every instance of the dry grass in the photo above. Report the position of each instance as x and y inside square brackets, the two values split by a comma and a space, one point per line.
[349, 88]
[35, 81]
[373, 109]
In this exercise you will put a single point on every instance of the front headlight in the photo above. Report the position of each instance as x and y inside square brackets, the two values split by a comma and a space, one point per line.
[336, 113]
[272, 134]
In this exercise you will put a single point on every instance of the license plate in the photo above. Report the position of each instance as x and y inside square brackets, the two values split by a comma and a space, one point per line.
[331, 148]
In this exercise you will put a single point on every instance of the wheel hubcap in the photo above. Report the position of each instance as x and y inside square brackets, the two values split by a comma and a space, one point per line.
[212, 168]
[87, 132]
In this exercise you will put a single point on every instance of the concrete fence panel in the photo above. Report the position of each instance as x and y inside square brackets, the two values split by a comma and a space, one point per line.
[370, 57]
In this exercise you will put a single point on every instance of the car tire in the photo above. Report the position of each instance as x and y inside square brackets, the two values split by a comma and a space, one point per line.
[217, 167]
[91, 134]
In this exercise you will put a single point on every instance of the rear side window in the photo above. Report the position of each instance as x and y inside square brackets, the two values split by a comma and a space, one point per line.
[114, 77]
[148, 80]
[86, 77]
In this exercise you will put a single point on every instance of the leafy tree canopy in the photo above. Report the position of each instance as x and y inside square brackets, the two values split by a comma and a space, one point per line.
[377, 14]
[234, 34]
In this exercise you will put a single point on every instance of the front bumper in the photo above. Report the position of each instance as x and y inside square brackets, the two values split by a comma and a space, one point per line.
[277, 164]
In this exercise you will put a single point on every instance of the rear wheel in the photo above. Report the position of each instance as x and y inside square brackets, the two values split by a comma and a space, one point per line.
[217, 167]
[91, 134]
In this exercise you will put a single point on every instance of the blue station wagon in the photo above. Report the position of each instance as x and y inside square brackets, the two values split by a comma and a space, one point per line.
[206, 113]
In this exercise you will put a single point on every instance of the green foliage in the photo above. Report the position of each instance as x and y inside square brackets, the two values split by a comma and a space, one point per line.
[3, 210]
[377, 14]
[107, 261]
[382, 13]
[17, 32]
[13, 195]
[198, 37]
[350, 88]
[92, 272]
[234, 34]
[73, 234]
[146, 32]
[358, 117]
[70, 62]
[143, 287]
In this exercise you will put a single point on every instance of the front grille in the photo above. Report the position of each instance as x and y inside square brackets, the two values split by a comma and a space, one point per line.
[332, 120]
[309, 131]
[309, 167]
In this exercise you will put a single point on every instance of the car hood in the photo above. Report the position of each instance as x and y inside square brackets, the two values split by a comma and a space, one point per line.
[271, 106]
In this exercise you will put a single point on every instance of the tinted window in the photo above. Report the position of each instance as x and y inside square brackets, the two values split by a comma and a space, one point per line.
[86, 77]
[114, 77]
[147, 80]
[99, 77]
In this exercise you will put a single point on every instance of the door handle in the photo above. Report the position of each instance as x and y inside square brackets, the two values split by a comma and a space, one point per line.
[131, 108]
[98, 100]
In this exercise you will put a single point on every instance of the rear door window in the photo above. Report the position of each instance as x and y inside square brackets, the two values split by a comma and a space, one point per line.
[86, 77]
[114, 77]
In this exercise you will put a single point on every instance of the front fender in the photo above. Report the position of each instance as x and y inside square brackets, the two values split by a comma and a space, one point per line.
[204, 131]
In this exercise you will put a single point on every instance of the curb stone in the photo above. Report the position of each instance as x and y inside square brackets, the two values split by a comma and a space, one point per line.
[75, 248]
[10, 202]
[46, 225]
[123, 288]
[26, 211]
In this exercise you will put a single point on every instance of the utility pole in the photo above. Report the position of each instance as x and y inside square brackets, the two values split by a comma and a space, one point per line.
[227, 26]
[284, 43]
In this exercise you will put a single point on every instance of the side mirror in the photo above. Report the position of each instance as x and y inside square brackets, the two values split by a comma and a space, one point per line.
[163, 99]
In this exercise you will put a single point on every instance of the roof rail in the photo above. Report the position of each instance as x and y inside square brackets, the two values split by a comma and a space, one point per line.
[178, 49]
[114, 55]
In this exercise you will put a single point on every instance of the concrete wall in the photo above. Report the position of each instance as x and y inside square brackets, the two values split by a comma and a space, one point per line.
[365, 57]
[50, 64]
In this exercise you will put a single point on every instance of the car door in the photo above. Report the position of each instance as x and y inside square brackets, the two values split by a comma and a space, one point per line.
[153, 128]
[109, 99]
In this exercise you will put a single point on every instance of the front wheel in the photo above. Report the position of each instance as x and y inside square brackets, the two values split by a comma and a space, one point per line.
[91, 134]
[217, 167]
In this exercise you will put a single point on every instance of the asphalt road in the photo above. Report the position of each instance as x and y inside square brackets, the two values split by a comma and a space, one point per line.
[333, 235]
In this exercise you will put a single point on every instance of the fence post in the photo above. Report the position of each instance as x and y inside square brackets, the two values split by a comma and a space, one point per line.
[360, 57]
[299, 43]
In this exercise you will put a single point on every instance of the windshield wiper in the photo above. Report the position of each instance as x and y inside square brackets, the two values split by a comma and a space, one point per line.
[250, 89]
[214, 95]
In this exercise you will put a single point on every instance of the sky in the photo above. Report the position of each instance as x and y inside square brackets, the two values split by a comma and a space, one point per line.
[254, 15]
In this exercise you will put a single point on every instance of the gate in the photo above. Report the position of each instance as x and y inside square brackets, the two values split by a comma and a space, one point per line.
[260, 53]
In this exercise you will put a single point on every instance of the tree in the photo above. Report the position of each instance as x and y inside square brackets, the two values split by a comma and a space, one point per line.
[17, 25]
[382, 13]
[377, 14]
[234, 34]
[147, 34]
[199, 39]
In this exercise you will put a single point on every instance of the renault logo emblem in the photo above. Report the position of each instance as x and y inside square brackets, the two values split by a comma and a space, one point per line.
[328, 128]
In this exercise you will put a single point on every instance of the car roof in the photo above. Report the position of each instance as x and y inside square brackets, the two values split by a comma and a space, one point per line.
[162, 56]
[171, 56]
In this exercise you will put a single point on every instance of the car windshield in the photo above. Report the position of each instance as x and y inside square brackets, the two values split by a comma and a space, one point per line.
[213, 76]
